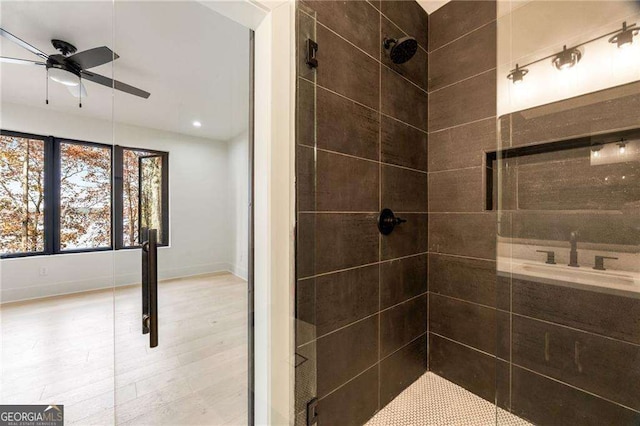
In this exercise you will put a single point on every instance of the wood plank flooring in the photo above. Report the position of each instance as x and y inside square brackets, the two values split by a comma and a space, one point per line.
[86, 351]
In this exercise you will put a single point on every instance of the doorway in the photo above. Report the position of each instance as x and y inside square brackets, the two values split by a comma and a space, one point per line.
[72, 310]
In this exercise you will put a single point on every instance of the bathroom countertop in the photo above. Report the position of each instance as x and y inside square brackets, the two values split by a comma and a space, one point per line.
[624, 283]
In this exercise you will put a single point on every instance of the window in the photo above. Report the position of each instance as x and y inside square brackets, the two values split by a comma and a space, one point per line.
[147, 167]
[22, 190]
[85, 196]
[61, 196]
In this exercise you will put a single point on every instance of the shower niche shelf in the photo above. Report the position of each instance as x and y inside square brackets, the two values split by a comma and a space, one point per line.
[608, 148]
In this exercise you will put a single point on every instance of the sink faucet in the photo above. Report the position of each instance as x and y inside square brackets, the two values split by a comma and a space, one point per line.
[573, 254]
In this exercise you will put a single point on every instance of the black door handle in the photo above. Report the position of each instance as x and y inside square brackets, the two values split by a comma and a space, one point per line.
[150, 285]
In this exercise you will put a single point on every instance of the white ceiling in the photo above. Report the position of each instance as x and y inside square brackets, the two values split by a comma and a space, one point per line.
[193, 61]
[431, 5]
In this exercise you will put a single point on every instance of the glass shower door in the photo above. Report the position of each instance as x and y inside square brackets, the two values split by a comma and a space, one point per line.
[567, 171]
[56, 266]
[181, 303]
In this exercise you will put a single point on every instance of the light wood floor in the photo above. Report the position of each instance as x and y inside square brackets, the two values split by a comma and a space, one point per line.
[86, 351]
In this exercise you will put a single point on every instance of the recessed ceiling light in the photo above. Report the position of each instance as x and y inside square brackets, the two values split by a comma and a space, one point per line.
[197, 124]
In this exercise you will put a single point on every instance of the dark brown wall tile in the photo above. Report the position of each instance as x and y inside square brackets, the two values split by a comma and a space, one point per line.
[402, 279]
[464, 234]
[469, 100]
[473, 280]
[464, 322]
[305, 113]
[401, 369]
[470, 55]
[503, 385]
[409, 16]
[464, 366]
[403, 145]
[592, 227]
[345, 126]
[576, 184]
[305, 311]
[345, 297]
[401, 324]
[503, 335]
[599, 365]
[353, 404]
[601, 313]
[346, 183]
[407, 238]
[415, 69]
[403, 100]
[547, 402]
[338, 59]
[462, 146]
[329, 242]
[599, 112]
[305, 178]
[456, 18]
[357, 21]
[306, 30]
[457, 191]
[305, 375]
[346, 353]
[404, 190]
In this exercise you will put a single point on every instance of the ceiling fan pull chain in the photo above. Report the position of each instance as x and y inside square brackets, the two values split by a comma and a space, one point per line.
[47, 87]
[80, 90]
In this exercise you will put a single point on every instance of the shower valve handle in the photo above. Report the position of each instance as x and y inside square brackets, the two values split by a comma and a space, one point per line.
[387, 221]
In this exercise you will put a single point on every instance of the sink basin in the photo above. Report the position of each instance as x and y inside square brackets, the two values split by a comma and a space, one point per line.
[590, 276]
[608, 281]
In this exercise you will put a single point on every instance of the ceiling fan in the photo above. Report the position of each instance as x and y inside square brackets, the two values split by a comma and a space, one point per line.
[70, 68]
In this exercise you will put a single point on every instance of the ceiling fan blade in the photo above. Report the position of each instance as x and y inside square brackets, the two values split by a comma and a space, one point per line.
[77, 90]
[106, 81]
[6, 34]
[93, 57]
[20, 61]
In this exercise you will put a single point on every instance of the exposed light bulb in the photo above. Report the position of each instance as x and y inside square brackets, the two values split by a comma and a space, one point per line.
[622, 147]
[197, 124]
[596, 154]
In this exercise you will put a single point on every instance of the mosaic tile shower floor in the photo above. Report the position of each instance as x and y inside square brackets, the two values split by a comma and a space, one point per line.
[432, 400]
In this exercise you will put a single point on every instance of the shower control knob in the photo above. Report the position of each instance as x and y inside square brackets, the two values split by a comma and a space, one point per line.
[387, 221]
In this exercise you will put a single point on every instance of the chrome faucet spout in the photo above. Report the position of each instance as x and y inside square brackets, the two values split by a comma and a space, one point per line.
[573, 254]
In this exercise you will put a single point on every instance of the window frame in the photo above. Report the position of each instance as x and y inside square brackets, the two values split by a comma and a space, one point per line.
[118, 192]
[52, 196]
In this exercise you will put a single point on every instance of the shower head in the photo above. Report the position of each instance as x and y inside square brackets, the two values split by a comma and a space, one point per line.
[402, 49]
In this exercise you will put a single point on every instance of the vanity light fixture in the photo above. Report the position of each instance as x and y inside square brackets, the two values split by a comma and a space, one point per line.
[624, 38]
[622, 147]
[567, 58]
[596, 151]
[517, 74]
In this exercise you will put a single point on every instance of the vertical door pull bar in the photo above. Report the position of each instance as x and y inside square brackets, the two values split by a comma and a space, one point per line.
[150, 294]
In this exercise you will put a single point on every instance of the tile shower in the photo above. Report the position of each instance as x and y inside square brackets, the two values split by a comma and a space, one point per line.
[481, 192]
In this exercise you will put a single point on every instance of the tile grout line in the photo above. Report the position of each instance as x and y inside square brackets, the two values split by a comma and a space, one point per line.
[495, 20]
[462, 80]
[362, 266]
[363, 105]
[365, 159]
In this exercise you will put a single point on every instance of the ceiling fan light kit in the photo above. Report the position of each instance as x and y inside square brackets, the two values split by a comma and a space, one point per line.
[70, 68]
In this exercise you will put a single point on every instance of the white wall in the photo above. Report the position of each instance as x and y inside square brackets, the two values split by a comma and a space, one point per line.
[202, 210]
[239, 174]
